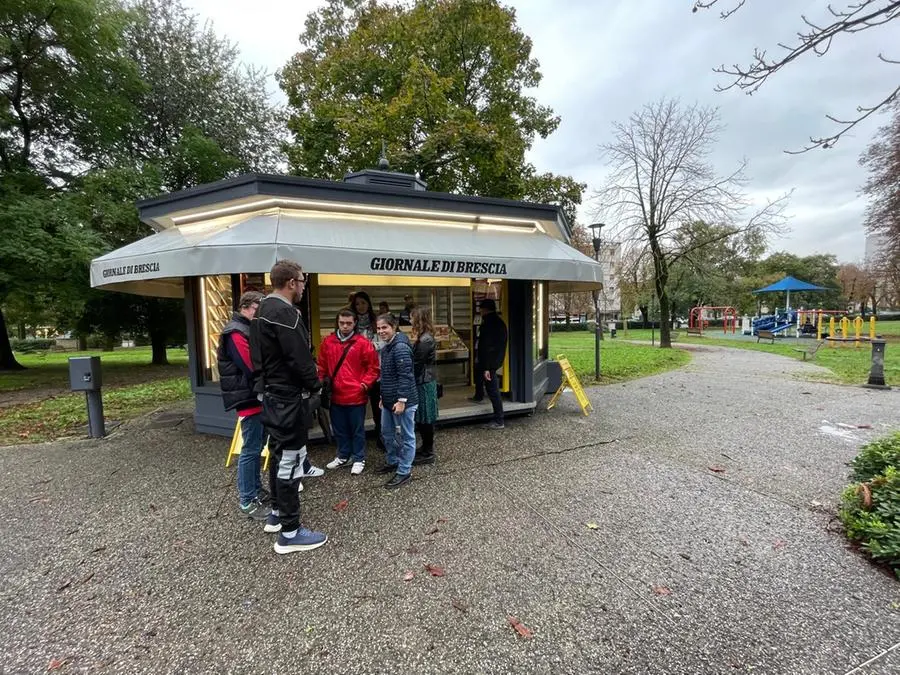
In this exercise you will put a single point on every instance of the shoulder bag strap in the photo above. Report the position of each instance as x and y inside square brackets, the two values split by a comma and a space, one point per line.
[341, 360]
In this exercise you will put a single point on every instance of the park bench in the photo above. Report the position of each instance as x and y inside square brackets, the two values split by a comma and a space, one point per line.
[695, 331]
[765, 335]
[810, 351]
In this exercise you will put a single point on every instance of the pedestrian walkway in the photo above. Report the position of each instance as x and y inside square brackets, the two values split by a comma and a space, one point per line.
[686, 526]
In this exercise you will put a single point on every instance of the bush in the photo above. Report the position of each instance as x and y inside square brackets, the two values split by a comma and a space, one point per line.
[875, 457]
[870, 508]
[30, 345]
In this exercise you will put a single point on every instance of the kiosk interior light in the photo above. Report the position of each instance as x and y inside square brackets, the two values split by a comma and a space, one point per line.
[303, 205]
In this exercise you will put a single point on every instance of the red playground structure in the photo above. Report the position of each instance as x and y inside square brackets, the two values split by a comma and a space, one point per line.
[697, 322]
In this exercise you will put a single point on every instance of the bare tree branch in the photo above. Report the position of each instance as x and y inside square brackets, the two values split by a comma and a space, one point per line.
[817, 39]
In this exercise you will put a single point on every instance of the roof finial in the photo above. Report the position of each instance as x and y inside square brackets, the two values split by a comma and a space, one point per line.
[383, 163]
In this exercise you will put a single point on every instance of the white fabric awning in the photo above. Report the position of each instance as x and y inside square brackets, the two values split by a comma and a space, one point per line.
[338, 244]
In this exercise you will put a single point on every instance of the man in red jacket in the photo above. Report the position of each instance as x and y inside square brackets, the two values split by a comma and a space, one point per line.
[350, 361]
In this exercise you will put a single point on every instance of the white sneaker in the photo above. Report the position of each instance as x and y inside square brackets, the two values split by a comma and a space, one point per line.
[357, 468]
[314, 472]
[337, 463]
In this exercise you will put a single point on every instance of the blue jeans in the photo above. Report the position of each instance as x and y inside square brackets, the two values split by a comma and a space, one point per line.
[348, 424]
[400, 451]
[249, 460]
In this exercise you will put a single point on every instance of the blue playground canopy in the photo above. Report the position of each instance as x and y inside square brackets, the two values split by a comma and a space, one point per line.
[787, 285]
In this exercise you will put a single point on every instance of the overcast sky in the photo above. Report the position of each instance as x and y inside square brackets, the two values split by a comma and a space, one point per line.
[603, 59]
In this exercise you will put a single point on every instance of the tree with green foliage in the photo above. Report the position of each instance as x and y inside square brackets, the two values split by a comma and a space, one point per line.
[716, 273]
[65, 90]
[443, 83]
[103, 104]
[820, 269]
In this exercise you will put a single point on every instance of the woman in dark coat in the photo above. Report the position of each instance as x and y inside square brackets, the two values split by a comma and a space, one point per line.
[424, 359]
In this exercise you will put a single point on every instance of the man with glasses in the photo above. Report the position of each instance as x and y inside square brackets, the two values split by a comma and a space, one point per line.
[285, 375]
[237, 382]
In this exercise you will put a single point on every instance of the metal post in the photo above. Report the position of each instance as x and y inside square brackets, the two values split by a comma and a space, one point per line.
[598, 325]
[596, 339]
[96, 424]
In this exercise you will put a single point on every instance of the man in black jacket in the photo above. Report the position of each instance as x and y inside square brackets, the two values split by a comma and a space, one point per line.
[489, 354]
[236, 381]
[286, 376]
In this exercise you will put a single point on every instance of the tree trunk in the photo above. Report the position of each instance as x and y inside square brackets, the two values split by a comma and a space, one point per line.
[22, 334]
[661, 268]
[82, 343]
[645, 312]
[7, 358]
[109, 343]
[665, 324]
[158, 348]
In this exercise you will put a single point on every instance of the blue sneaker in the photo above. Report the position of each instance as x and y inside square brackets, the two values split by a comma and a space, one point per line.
[273, 524]
[304, 540]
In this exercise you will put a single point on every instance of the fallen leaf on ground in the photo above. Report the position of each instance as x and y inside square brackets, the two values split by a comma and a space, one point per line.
[744, 541]
[412, 550]
[435, 570]
[779, 544]
[662, 590]
[56, 664]
[341, 505]
[442, 520]
[520, 627]
[715, 468]
[409, 576]
[593, 526]
[433, 530]
[64, 586]
[460, 605]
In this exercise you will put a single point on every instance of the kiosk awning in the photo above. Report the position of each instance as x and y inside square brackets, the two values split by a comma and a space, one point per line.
[340, 244]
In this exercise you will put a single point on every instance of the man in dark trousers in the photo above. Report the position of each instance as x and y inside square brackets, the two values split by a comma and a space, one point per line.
[489, 354]
[237, 384]
[286, 376]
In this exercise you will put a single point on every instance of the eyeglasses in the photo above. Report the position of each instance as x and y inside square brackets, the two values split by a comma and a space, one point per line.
[300, 280]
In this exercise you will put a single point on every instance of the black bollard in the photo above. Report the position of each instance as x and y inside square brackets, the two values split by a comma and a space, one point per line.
[84, 375]
[876, 371]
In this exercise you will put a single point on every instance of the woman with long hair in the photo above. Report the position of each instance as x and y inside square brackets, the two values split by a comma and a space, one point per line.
[399, 401]
[424, 351]
[365, 325]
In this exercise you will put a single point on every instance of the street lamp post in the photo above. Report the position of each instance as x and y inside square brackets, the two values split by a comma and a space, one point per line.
[598, 328]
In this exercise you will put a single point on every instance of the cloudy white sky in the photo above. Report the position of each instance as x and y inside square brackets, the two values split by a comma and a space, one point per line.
[603, 59]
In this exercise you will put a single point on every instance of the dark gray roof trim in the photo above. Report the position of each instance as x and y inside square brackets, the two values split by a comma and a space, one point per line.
[251, 184]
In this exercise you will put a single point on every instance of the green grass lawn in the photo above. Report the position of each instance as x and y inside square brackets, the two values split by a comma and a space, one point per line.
[619, 360]
[848, 365]
[41, 407]
[64, 415]
[50, 370]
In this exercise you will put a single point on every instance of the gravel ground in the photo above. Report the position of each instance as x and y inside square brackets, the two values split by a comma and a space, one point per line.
[128, 555]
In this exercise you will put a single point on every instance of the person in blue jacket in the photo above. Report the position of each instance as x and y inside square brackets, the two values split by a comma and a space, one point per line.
[399, 401]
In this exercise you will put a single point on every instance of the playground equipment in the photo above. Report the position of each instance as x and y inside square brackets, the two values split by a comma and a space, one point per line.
[845, 338]
[779, 322]
[697, 320]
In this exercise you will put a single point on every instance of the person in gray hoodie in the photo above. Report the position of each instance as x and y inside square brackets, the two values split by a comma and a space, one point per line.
[399, 401]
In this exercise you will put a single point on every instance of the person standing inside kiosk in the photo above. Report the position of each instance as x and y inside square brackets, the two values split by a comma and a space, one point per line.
[489, 354]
